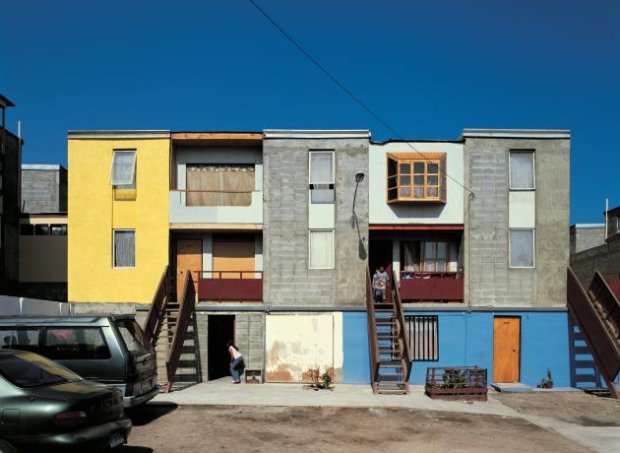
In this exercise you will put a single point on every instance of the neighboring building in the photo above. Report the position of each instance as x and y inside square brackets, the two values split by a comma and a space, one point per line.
[280, 227]
[10, 161]
[43, 232]
[584, 236]
[44, 189]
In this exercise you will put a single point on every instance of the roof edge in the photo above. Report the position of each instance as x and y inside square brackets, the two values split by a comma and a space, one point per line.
[316, 133]
[107, 134]
[516, 133]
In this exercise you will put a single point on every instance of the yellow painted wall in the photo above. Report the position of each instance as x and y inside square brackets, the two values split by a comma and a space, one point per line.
[93, 214]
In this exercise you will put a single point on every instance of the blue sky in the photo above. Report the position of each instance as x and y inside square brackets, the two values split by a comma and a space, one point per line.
[429, 69]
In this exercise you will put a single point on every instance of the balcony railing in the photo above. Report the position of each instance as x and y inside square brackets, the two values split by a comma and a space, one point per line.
[221, 286]
[431, 286]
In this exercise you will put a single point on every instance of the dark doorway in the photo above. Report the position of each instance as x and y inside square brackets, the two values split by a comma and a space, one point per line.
[380, 254]
[221, 331]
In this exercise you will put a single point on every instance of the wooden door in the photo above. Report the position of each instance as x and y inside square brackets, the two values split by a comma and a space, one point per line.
[506, 349]
[237, 256]
[189, 257]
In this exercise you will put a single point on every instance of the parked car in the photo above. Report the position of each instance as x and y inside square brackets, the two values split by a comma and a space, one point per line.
[111, 350]
[46, 407]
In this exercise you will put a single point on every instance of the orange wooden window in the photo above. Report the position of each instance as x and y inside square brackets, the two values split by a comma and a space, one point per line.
[416, 178]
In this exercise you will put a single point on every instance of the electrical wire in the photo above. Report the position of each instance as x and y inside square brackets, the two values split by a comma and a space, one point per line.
[347, 91]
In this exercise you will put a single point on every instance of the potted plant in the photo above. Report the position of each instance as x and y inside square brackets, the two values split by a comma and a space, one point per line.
[547, 381]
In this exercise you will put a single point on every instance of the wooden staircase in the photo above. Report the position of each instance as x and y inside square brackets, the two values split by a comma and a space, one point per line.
[171, 329]
[389, 351]
[597, 312]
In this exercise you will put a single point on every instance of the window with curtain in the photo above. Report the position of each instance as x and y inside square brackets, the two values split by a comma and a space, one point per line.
[521, 248]
[321, 249]
[124, 248]
[429, 256]
[416, 177]
[321, 177]
[521, 170]
[220, 185]
[123, 173]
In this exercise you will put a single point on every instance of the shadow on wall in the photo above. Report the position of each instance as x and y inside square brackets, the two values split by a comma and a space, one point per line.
[407, 211]
[583, 371]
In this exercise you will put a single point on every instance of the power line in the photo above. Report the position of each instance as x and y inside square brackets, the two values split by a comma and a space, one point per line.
[346, 90]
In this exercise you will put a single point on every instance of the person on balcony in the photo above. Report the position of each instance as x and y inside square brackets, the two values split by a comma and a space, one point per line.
[237, 366]
[379, 284]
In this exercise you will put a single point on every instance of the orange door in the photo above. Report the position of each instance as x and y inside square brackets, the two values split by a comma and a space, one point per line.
[189, 257]
[506, 349]
[235, 256]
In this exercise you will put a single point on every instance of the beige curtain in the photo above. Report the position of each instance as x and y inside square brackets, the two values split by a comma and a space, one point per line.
[220, 185]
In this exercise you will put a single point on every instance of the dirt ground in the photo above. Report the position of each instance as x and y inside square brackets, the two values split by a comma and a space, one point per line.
[168, 428]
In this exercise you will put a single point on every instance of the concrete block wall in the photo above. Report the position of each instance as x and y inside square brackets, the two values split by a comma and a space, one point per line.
[44, 188]
[249, 338]
[288, 281]
[489, 280]
[604, 258]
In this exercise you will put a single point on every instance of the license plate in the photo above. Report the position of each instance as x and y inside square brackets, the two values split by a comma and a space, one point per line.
[116, 439]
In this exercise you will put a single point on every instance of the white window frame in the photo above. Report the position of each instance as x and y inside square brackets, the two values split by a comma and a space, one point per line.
[331, 182]
[135, 247]
[321, 230]
[521, 151]
[122, 184]
[533, 230]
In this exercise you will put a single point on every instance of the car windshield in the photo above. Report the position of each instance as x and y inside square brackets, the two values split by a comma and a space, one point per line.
[31, 370]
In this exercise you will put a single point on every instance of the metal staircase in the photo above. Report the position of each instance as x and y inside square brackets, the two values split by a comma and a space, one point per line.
[390, 360]
[597, 312]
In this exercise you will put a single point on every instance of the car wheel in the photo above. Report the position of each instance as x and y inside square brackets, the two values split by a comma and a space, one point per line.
[6, 447]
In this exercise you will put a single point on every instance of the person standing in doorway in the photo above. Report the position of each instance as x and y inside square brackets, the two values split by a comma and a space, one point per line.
[236, 362]
[379, 284]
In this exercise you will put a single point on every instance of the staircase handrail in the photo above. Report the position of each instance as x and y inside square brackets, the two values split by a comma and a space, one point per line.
[400, 317]
[373, 344]
[186, 309]
[609, 299]
[602, 344]
[156, 311]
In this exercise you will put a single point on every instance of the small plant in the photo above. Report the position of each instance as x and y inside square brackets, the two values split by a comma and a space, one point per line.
[454, 379]
[547, 381]
[319, 381]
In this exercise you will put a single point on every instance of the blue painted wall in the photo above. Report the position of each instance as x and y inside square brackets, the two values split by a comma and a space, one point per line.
[466, 339]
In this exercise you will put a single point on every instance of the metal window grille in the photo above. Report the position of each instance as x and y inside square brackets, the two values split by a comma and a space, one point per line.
[423, 337]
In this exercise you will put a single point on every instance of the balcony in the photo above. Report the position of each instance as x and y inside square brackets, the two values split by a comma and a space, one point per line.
[181, 213]
[431, 286]
[225, 286]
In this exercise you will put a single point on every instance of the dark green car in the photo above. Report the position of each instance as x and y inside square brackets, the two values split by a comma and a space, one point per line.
[46, 407]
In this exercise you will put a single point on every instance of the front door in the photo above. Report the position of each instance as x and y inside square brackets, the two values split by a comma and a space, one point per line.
[221, 330]
[189, 258]
[233, 258]
[506, 348]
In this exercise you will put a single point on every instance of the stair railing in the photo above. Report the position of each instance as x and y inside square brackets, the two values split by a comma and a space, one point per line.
[603, 346]
[373, 344]
[399, 316]
[186, 308]
[157, 310]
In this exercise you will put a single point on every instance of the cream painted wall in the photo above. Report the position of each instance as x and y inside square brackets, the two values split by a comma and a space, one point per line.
[93, 214]
[522, 209]
[415, 213]
[296, 343]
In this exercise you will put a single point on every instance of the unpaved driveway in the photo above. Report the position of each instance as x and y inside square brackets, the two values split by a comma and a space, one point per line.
[167, 428]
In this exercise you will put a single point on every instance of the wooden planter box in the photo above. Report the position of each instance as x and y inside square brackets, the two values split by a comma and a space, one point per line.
[457, 383]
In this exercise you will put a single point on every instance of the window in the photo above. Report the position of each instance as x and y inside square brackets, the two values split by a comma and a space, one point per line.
[321, 249]
[68, 343]
[26, 229]
[423, 337]
[42, 230]
[321, 177]
[416, 177]
[521, 248]
[220, 185]
[123, 174]
[133, 337]
[124, 248]
[429, 256]
[25, 339]
[58, 230]
[521, 170]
